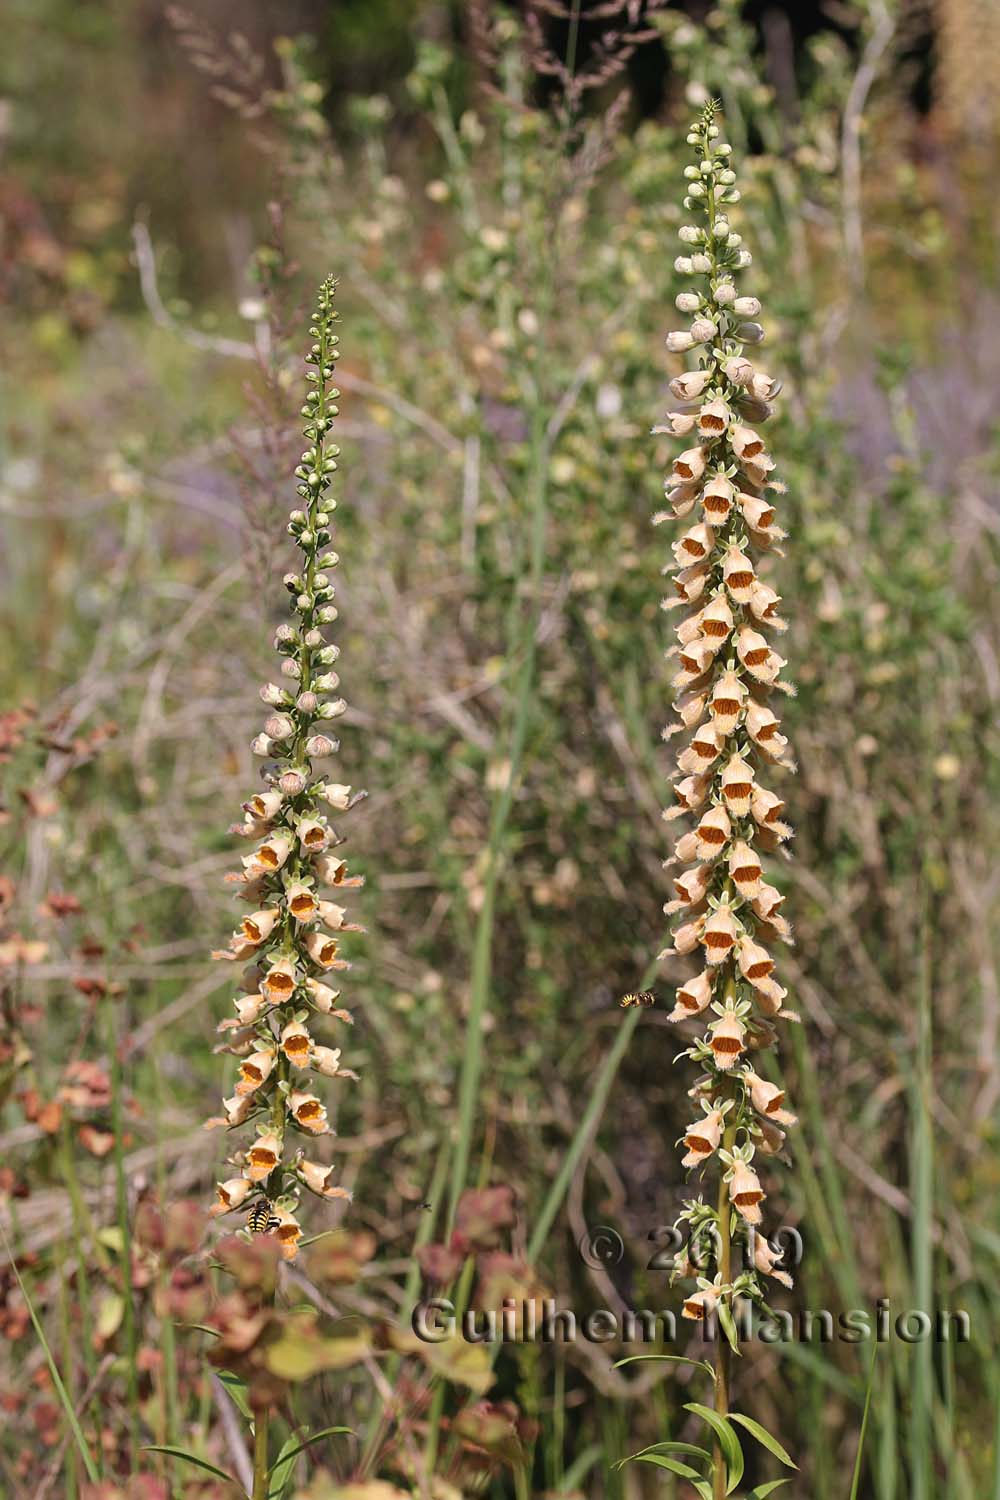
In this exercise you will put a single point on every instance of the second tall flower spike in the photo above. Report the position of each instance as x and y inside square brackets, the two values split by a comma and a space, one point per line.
[727, 680]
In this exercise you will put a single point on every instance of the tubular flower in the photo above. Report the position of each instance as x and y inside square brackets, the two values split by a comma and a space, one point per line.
[287, 875]
[728, 684]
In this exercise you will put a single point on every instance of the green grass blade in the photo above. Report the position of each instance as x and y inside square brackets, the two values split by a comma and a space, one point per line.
[856, 1482]
[57, 1380]
[588, 1124]
[922, 1176]
[579, 1468]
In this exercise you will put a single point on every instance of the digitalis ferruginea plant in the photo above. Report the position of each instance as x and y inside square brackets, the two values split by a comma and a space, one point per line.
[727, 683]
[289, 941]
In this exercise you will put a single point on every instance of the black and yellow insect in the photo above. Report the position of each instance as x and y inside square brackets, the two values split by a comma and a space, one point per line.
[262, 1218]
[645, 997]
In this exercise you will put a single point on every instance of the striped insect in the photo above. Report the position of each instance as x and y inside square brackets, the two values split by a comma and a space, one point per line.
[262, 1218]
[645, 997]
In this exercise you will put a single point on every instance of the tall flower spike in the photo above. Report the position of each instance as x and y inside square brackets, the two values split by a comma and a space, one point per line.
[285, 941]
[732, 671]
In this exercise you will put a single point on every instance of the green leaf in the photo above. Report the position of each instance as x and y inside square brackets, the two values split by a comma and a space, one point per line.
[674, 1359]
[189, 1458]
[281, 1471]
[667, 1447]
[763, 1437]
[236, 1391]
[728, 1441]
[763, 1490]
[673, 1464]
[729, 1327]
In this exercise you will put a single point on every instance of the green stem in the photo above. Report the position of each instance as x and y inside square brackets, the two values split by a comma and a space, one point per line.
[261, 1424]
[723, 1353]
[124, 1229]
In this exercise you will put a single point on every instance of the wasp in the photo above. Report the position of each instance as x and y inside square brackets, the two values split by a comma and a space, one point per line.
[645, 997]
[262, 1218]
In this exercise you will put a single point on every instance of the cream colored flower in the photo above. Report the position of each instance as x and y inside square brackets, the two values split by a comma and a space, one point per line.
[308, 1112]
[719, 935]
[694, 996]
[746, 443]
[746, 1193]
[296, 1043]
[768, 1098]
[694, 544]
[258, 927]
[321, 995]
[326, 1060]
[250, 1008]
[738, 575]
[755, 962]
[264, 806]
[690, 386]
[692, 885]
[764, 1259]
[713, 832]
[280, 980]
[727, 1039]
[702, 1138]
[274, 852]
[699, 1305]
[302, 902]
[313, 834]
[717, 500]
[263, 1156]
[763, 602]
[690, 582]
[255, 1070]
[322, 949]
[237, 1109]
[729, 693]
[318, 1179]
[737, 784]
[332, 870]
[713, 419]
[756, 655]
[744, 868]
[230, 1195]
[690, 465]
[288, 1232]
[335, 794]
[717, 621]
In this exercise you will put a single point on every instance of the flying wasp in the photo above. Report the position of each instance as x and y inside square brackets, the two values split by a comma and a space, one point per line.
[262, 1218]
[645, 997]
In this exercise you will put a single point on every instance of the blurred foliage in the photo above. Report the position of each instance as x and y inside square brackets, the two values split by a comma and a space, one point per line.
[507, 280]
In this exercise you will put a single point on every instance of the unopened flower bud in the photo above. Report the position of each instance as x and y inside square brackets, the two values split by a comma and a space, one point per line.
[293, 781]
[318, 746]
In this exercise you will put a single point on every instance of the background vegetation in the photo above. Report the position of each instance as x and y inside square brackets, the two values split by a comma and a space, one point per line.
[498, 193]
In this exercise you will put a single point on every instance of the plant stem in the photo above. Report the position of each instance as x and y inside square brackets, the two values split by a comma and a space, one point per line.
[260, 1470]
[723, 1353]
